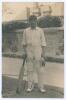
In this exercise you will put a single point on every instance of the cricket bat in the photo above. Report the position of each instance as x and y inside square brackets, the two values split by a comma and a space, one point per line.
[20, 85]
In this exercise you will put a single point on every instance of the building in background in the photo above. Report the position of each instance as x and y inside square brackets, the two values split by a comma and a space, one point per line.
[21, 11]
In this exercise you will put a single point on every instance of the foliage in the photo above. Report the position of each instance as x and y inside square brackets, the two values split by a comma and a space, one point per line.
[49, 21]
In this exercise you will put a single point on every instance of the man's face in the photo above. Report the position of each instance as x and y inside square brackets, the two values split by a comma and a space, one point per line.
[33, 24]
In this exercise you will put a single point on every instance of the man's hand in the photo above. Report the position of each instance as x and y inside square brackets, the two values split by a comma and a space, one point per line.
[24, 52]
[43, 52]
[43, 61]
[43, 55]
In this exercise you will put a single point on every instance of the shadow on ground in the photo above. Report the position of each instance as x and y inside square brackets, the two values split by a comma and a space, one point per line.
[9, 90]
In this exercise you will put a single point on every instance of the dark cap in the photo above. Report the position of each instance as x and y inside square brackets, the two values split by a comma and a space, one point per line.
[32, 17]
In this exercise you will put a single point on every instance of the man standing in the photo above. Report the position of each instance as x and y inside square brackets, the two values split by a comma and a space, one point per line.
[34, 47]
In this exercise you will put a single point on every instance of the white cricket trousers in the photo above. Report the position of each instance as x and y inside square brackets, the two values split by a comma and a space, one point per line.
[34, 64]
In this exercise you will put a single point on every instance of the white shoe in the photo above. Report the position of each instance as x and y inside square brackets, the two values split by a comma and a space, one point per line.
[29, 90]
[43, 90]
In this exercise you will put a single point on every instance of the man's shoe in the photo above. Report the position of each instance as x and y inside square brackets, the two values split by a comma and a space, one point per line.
[29, 90]
[42, 90]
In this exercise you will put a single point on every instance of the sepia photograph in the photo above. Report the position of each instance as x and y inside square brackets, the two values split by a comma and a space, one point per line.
[32, 50]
